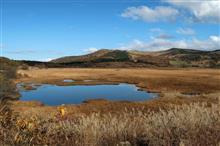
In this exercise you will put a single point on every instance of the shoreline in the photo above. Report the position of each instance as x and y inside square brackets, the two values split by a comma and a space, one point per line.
[147, 79]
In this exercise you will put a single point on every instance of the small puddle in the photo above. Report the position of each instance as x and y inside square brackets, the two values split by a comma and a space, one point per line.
[76, 94]
[68, 81]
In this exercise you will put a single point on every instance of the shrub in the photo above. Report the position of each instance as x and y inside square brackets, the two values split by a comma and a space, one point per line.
[7, 73]
[7, 88]
[179, 63]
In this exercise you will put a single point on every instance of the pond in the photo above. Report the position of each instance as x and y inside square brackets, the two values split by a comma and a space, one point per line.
[68, 81]
[76, 94]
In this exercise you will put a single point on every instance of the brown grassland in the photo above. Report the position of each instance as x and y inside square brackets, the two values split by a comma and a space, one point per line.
[187, 112]
[176, 86]
[158, 80]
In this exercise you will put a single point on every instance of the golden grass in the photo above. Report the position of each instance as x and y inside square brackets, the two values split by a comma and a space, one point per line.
[33, 108]
[194, 124]
[161, 80]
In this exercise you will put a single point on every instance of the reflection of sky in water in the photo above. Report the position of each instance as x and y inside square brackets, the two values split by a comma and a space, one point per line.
[56, 95]
[68, 80]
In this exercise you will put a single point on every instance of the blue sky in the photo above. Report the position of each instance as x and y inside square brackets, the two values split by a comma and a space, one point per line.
[43, 30]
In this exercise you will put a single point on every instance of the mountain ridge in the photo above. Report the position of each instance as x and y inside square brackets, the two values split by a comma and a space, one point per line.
[171, 57]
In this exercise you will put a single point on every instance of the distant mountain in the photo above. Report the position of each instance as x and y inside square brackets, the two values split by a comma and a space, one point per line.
[103, 55]
[174, 57]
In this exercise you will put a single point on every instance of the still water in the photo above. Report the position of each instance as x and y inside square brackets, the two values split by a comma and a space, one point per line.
[75, 94]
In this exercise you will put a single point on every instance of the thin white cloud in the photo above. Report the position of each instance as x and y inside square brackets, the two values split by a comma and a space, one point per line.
[212, 43]
[19, 51]
[145, 13]
[200, 10]
[185, 31]
[215, 39]
[156, 30]
[91, 50]
[133, 45]
[154, 45]
[47, 59]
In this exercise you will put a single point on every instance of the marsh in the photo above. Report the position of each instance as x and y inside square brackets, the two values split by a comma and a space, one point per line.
[75, 94]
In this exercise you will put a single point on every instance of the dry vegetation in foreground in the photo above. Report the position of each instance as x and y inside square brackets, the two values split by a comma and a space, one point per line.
[181, 125]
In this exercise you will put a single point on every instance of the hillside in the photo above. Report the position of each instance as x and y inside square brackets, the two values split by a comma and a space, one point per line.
[7, 73]
[103, 55]
[174, 57]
